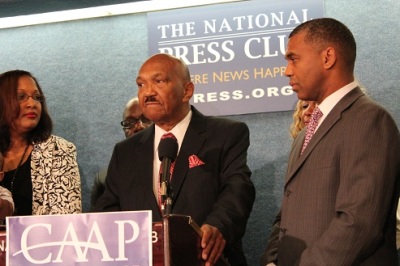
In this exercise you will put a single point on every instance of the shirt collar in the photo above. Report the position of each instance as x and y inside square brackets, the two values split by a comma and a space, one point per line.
[329, 102]
[179, 131]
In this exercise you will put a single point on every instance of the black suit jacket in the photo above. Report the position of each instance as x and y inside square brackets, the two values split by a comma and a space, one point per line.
[219, 193]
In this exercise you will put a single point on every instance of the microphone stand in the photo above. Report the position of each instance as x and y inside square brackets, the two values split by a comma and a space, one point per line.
[166, 190]
[166, 198]
[168, 150]
[168, 205]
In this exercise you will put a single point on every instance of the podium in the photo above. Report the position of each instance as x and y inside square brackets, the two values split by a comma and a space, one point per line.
[176, 242]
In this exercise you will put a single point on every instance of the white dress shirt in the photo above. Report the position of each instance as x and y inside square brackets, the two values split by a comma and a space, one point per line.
[179, 132]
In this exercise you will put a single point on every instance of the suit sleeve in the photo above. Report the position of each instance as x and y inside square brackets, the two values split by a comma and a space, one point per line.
[109, 200]
[97, 188]
[235, 200]
[271, 252]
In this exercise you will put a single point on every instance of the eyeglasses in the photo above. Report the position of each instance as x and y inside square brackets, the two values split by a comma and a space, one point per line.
[130, 122]
[23, 97]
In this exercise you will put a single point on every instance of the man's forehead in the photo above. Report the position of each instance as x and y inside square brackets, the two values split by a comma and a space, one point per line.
[151, 74]
[133, 110]
[294, 43]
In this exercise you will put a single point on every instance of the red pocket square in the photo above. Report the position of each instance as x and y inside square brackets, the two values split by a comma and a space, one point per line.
[194, 161]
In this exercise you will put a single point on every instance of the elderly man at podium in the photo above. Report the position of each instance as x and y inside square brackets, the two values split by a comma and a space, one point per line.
[210, 180]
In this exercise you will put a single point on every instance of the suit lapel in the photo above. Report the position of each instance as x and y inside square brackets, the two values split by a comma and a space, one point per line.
[146, 171]
[296, 160]
[192, 142]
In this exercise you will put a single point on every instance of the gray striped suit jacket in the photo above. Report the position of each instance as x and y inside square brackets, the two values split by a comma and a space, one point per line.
[341, 194]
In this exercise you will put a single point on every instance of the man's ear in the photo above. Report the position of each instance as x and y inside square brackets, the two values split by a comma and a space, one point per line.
[329, 57]
[189, 90]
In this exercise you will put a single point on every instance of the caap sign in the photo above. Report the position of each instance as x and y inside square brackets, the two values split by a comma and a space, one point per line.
[119, 238]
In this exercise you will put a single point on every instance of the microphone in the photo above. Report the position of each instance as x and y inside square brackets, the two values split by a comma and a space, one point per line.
[167, 152]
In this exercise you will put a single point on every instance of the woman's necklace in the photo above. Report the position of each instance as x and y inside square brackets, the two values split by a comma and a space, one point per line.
[16, 170]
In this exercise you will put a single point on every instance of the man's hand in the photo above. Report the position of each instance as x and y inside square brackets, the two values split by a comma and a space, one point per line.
[213, 244]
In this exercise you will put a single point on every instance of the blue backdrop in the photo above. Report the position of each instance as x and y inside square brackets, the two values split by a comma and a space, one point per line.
[87, 69]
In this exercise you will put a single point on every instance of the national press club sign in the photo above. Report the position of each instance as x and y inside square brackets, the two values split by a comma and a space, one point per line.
[235, 52]
[119, 238]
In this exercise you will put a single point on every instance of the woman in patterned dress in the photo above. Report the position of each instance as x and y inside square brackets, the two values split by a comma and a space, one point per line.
[40, 169]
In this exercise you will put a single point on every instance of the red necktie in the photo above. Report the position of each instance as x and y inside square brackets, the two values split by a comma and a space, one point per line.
[171, 170]
[315, 116]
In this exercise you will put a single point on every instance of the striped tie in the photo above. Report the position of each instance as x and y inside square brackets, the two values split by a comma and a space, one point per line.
[315, 116]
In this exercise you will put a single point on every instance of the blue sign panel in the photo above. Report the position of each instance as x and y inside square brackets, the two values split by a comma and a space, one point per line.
[120, 238]
[235, 52]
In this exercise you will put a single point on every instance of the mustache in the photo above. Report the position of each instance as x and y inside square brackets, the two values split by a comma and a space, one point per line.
[150, 99]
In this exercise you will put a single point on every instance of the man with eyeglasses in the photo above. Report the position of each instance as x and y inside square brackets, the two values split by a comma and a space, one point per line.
[133, 118]
[133, 122]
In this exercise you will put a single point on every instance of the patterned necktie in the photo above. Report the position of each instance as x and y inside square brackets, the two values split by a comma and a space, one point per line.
[171, 170]
[315, 116]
